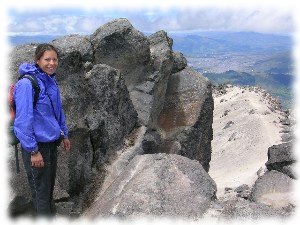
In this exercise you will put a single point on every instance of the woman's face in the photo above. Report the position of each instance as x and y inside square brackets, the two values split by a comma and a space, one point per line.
[48, 62]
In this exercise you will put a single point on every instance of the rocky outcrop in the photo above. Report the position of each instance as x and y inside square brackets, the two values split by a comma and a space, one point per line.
[185, 118]
[281, 158]
[119, 45]
[75, 53]
[148, 97]
[157, 185]
[114, 83]
[140, 124]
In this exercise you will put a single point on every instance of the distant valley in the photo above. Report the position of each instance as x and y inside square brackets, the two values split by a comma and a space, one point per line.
[240, 58]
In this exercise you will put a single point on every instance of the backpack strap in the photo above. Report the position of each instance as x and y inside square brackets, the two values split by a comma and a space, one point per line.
[17, 158]
[34, 82]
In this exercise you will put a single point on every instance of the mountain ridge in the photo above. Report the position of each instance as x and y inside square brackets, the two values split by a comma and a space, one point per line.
[135, 104]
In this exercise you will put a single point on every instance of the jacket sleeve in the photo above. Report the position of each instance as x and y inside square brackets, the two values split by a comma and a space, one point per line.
[23, 125]
[62, 123]
[62, 117]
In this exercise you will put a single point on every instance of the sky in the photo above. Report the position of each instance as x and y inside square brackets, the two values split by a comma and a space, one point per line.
[63, 19]
[60, 17]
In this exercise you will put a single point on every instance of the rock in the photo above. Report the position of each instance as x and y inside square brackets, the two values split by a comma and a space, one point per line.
[187, 115]
[119, 45]
[151, 142]
[19, 55]
[240, 209]
[243, 191]
[75, 42]
[74, 51]
[161, 52]
[170, 147]
[228, 124]
[20, 205]
[280, 158]
[273, 189]
[65, 209]
[157, 185]
[180, 62]
[287, 137]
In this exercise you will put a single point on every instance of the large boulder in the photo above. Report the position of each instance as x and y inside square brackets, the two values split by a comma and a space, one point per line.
[187, 115]
[157, 185]
[120, 45]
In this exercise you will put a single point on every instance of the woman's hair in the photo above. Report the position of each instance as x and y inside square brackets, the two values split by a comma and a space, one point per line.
[41, 48]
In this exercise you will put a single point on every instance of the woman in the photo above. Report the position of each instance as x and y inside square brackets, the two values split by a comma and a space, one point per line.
[41, 127]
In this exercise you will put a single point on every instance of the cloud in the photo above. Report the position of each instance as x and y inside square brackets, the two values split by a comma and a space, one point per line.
[230, 20]
[68, 21]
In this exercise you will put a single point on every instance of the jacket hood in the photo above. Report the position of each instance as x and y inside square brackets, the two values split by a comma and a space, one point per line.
[28, 68]
[32, 69]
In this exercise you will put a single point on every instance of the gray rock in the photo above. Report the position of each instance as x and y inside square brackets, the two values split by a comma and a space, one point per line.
[273, 189]
[119, 45]
[280, 158]
[187, 115]
[75, 42]
[112, 115]
[162, 60]
[64, 209]
[170, 147]
[19, 55]
[243, 191]
[74, 51]
[151, 142]
[157, 185]
[161, 52]
[287, 137]
[228, 124]
[180, 62]
[241, 209]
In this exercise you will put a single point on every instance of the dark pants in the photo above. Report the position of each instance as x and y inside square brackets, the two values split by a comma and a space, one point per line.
[42, 180]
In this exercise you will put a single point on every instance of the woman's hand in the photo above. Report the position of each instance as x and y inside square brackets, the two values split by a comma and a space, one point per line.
[67, 144]
[37, 160]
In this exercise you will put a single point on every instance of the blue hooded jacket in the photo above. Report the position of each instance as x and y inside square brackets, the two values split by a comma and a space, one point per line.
[45, 121]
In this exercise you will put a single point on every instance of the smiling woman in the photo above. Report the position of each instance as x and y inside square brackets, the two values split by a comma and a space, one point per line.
[40, 127]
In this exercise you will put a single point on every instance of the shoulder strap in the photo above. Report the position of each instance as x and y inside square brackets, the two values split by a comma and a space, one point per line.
[35, 85]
